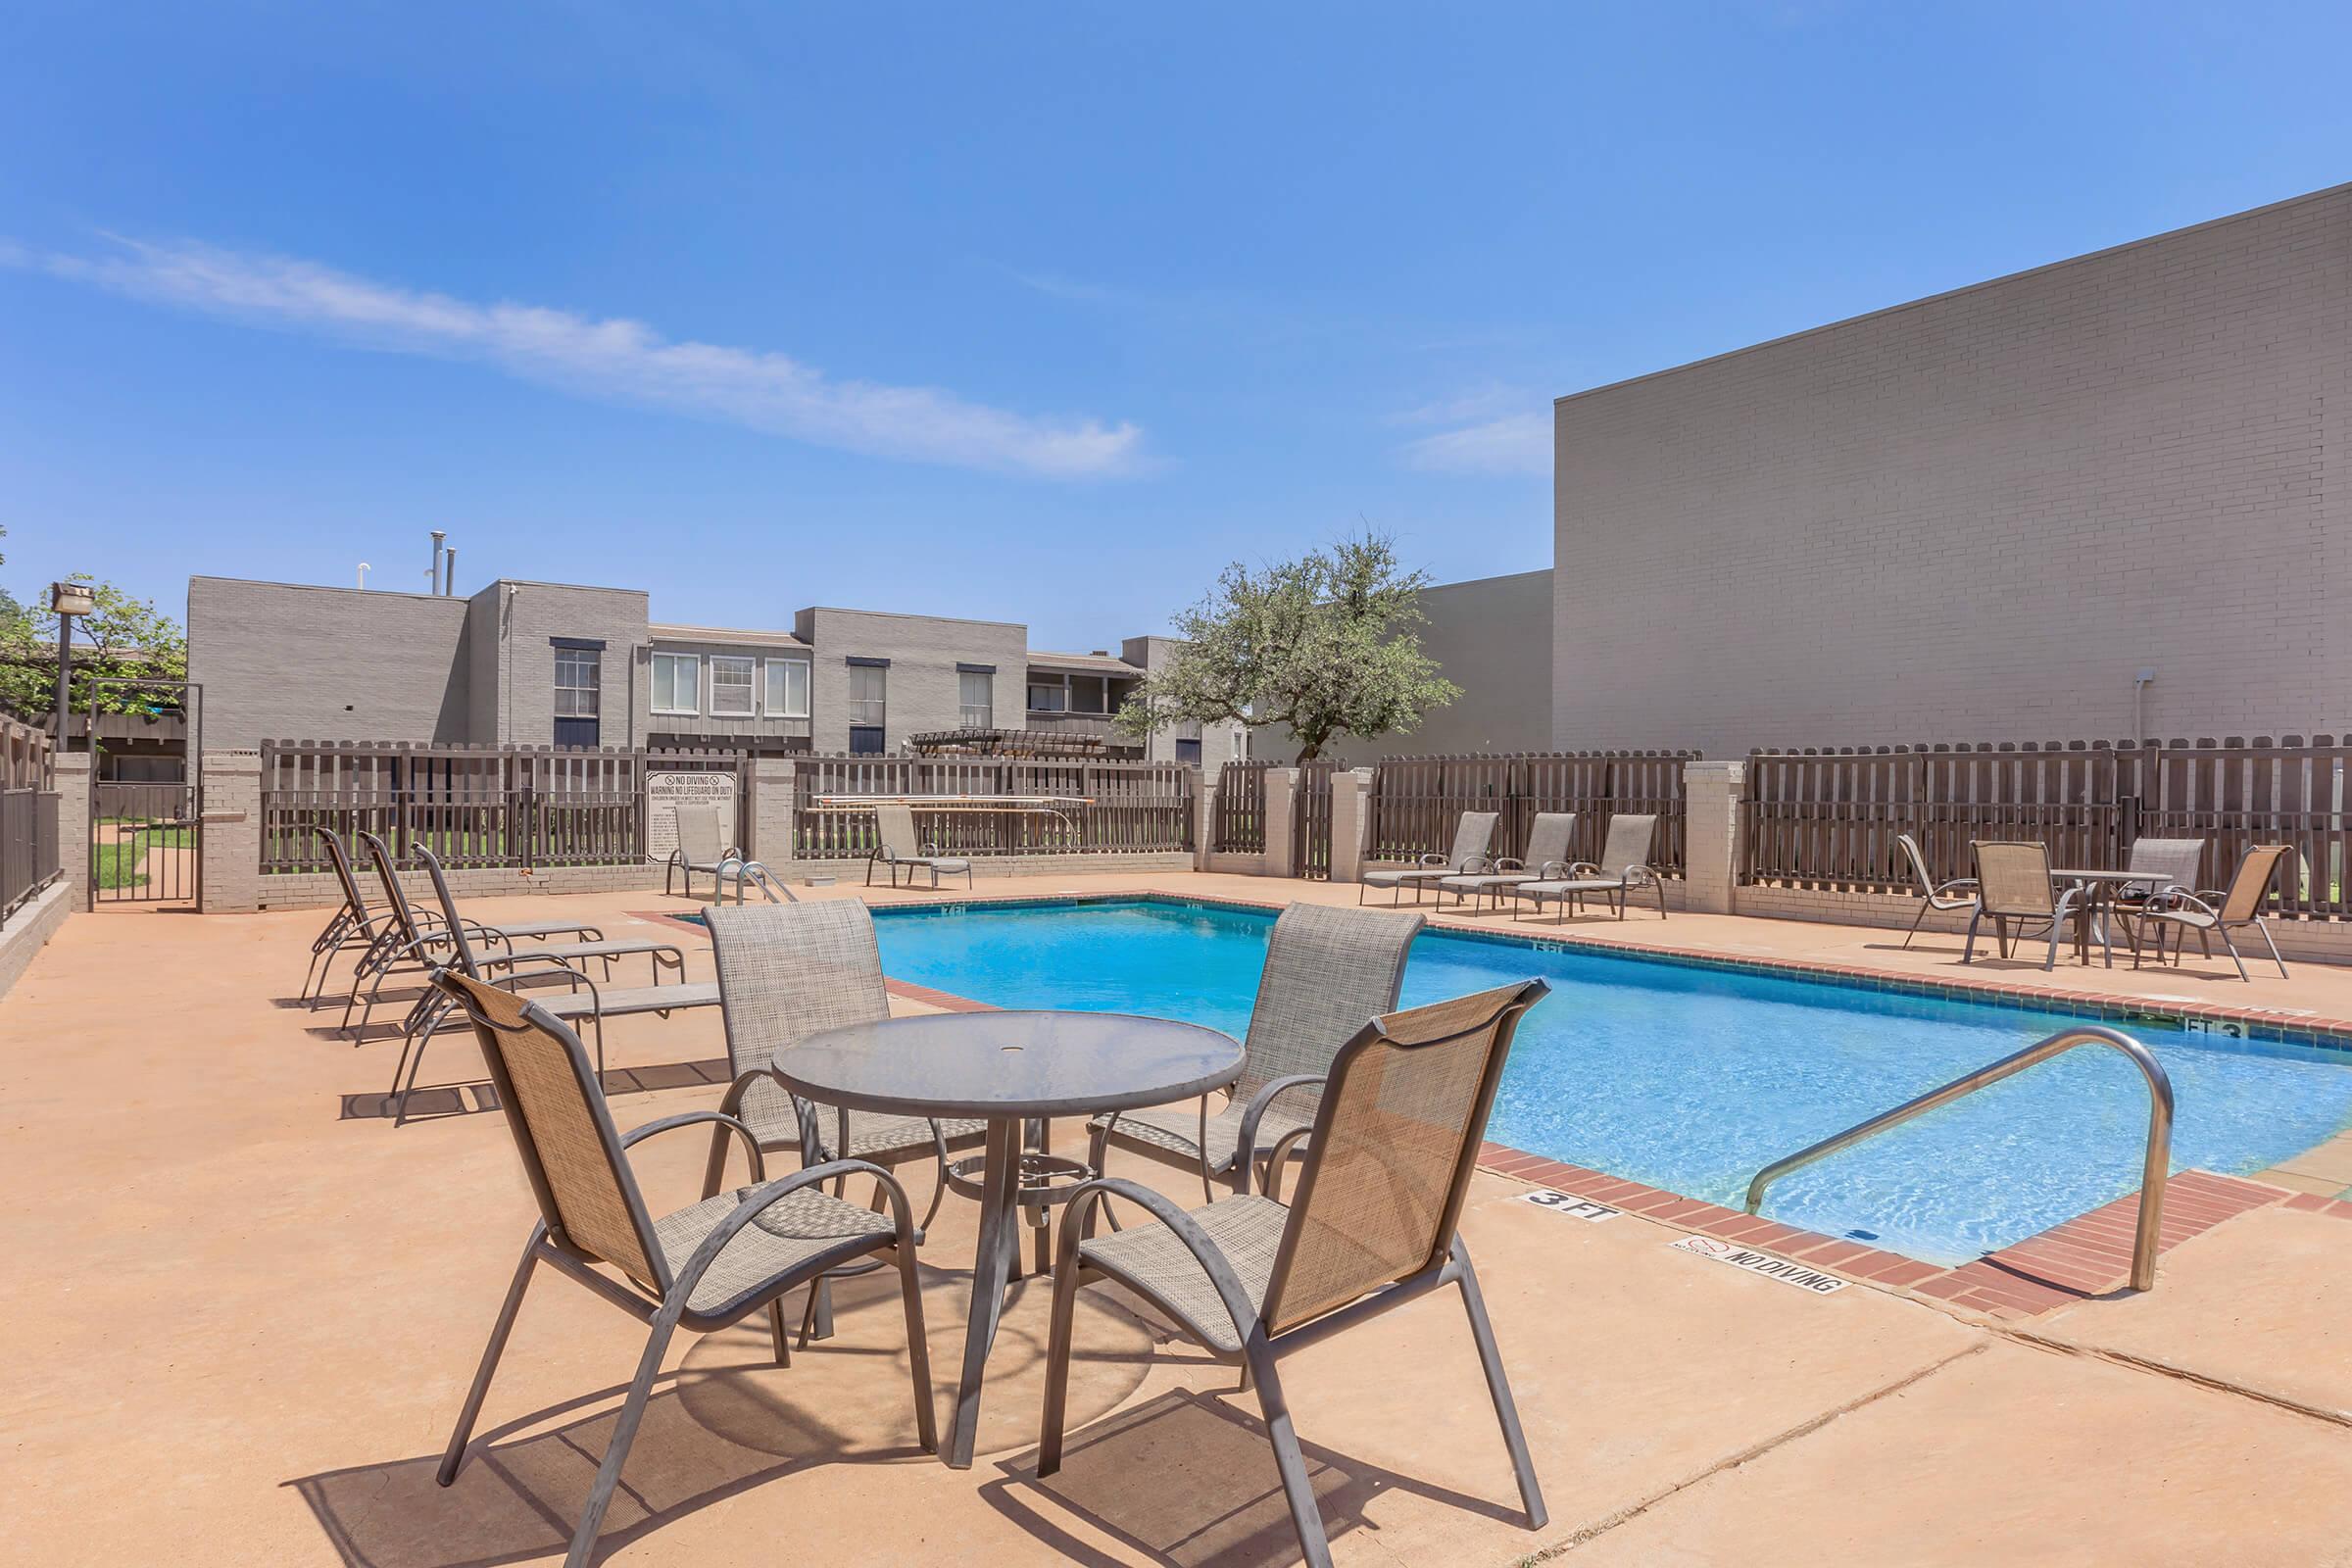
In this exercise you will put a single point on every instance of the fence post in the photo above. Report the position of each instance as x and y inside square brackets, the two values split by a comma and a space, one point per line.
[1350, 822]
[229, 842]
[1282, 798]
[1715, 811]
[74, 827]
[1205, 818]
[776, 809]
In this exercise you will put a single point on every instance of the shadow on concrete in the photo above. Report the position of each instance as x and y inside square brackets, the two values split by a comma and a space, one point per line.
[474, 1096]
[1188, 1479]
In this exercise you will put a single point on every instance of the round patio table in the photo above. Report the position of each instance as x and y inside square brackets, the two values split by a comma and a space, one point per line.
[2098, 890]
[1007, 1067]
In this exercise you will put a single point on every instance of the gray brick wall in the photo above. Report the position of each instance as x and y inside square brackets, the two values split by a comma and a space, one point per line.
[923, 690]
[1491, 636]
[1976, 515]
[532, 612]
[281, 660]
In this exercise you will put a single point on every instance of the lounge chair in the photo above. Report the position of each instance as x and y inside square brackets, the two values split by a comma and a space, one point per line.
[703, 848]
[1624, 866]
[1546, 856]
[585, 999]
[1944, 897]
[1327, 971]
[1473, 834]
[1372, 1227]
[895, 844]
[2013, 883]
[785, 972]
[2217, 912]
[702, 1268]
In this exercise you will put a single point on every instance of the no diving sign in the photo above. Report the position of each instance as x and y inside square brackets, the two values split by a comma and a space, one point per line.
[1764, 1263]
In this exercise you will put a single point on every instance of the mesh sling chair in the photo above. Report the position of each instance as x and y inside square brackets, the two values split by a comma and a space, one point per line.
[895, 844]
[1371, 1227]
[701, 1268]
[1944, 897]
[1327, 971]
[1473, 833]
[2013, 883]
[1624, 866]
[789, 972]
[2175, 859]
[1547, 853]
[354, 928]
[2238, 906]
[703, 848]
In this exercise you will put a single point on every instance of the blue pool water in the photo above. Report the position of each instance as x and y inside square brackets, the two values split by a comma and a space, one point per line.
[1691, 1078]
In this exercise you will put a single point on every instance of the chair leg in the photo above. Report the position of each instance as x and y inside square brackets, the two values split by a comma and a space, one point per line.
[1289, 1462]
[919, 1350]
[2241, 962]
[1968, 953]
[776, 1337]
[2274, 947]
[624, 1433]
[1915, 923]
[1098, 1149]
[1498, 1388]
[454, 1455]
[1057, 1369]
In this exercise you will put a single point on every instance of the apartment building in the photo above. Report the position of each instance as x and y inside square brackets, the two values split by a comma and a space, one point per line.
[542, 664]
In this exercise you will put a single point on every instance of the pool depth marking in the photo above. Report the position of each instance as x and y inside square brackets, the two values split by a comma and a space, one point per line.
[1570, 1204]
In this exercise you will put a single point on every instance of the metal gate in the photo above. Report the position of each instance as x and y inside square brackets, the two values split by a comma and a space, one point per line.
[144, 837]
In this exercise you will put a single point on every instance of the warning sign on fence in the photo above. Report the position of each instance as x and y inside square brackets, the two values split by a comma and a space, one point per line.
[664, 793]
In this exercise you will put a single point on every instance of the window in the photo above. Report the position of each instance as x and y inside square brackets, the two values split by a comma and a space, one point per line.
[1189, 752]
[732, 692]
[1090, 694]
[788, 688]
[868, 691]
[677, 684]
[865, 740]
[1045, 698]
[978, 701]
[578, 673]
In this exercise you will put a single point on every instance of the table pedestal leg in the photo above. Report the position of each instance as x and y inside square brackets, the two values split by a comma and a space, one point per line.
[1000, 1229]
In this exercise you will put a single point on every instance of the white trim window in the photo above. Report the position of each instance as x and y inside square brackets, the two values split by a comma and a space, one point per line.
[580, 671]
[870, 693]
[976, 697]
[677, 684]
[788, 688]
[734, 686]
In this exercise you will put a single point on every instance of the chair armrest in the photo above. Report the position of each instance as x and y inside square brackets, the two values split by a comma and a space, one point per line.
[1428, 858]
[1967, 882]
[930, 849]
[691, 1118]
[1506, 862]
[1551, 869]
[1078, 1223]
[761, 1198]
[1584, 868]
[505, 982]
[1247, 1149]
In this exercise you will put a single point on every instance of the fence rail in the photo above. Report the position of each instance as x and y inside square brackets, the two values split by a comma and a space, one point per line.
[1829, 818]
[29, 857]
[1417, 800]
[1084, 805]
[1238, 818]
[472, 805]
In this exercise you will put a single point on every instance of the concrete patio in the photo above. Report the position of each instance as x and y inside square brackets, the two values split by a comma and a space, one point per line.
[247, 1305]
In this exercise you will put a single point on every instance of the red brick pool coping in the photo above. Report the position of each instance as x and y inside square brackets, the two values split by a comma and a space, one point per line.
[2075, 1261]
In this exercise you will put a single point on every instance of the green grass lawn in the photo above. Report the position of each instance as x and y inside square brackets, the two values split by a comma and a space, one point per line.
[117, 864]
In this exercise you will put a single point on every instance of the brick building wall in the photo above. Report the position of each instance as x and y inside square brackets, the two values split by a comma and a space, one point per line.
[1977, 516]
[334, 663]
[923, 686]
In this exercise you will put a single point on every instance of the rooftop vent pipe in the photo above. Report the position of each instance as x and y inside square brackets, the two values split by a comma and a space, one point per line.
[439, 534]
[449, 571]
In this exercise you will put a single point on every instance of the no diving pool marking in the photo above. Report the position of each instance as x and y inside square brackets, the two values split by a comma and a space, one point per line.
[1570, 1204]
[1764, 1263]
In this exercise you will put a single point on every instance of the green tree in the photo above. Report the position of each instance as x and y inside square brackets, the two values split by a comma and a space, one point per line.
[1323, 646]
[123, 637]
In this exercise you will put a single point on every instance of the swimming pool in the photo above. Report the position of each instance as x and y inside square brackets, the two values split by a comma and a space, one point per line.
[1691, 1078]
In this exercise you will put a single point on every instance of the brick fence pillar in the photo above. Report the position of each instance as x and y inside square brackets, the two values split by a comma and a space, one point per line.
[1205, 818]
[74, 827]
[1715, 796]
[1282, 795]
[1350, 822]
[776, 784]
[230, 848]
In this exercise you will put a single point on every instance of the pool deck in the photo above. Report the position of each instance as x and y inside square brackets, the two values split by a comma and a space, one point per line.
[246, 1306]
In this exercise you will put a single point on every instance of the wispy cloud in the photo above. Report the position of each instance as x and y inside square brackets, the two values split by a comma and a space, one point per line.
[610, 358]
[1486, 436]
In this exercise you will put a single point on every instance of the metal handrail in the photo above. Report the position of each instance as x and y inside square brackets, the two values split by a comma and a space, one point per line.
[752, 872]
[2154, 1169]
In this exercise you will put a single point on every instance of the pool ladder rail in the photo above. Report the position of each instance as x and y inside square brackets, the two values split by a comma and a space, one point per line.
[742, 871]
[2155, 1167]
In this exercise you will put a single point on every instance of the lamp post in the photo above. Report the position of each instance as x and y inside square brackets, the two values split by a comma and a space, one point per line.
[67, 600]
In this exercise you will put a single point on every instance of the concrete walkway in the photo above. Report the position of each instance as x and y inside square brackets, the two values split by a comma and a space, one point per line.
[245, 1308]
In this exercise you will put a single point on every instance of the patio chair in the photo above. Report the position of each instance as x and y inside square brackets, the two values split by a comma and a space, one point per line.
[1624, 866]
[895, 844]
[1547, 853]
[704, 1267]
[2013, 883]
[1944, 897]
[789, 972]
[2217, 912]
[1372, 1227]
[1327, 971]
[703, 848]
[1473, 834]
[2177, 862]
[584, 999]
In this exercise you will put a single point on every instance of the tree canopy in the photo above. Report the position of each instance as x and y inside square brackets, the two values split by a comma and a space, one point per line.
[1322, 646]
[123, 637]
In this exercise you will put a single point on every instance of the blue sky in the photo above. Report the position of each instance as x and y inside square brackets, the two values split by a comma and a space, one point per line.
[1033, 312]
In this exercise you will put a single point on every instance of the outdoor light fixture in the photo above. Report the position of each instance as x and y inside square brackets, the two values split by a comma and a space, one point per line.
[67, 600]
[71, 599]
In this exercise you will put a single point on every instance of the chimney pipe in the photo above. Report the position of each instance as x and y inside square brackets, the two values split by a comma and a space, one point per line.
[439, 534]
[449, 571]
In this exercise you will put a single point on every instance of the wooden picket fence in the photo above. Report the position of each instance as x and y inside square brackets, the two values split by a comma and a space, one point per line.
[1828, 817]
[1416, 801]
[1110, 808]
[1239, 815]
